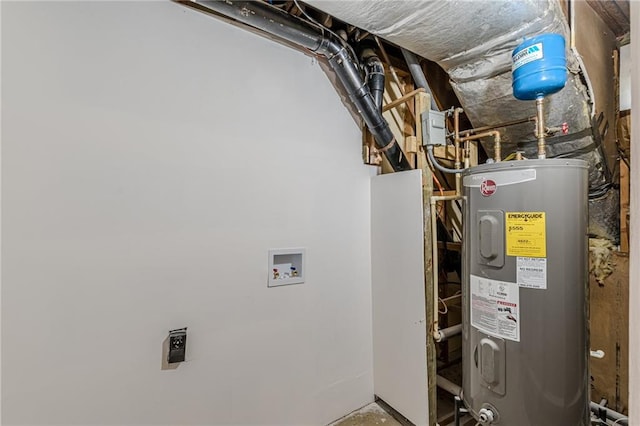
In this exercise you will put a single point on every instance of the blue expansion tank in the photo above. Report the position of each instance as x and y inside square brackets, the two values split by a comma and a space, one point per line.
[539, 67]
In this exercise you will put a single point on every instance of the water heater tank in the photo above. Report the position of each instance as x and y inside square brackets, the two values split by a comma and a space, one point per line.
[539, 67]
[525, 316]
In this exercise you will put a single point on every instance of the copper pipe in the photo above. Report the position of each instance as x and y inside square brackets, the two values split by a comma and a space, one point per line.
[467, 155]
[456, 135]
[456, 144]
[497, 154]
[499, 125]
[540, 130]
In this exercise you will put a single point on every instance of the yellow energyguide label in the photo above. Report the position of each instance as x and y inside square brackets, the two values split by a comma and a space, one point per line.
[526, 234]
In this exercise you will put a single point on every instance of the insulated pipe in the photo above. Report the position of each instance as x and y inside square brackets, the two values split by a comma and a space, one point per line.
[295, 30]
[418, 75]
[446, 333]
[449, 386]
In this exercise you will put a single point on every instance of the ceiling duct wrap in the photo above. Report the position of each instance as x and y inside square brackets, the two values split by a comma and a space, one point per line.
[473, 42]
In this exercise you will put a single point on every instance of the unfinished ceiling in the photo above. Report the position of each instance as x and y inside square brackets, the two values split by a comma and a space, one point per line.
[473, 42]
[614, 13]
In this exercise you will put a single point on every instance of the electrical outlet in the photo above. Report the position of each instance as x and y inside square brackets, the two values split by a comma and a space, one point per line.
[177, 345]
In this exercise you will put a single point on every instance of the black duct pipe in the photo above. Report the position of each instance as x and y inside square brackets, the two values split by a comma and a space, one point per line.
[375, 76]
[292, 29]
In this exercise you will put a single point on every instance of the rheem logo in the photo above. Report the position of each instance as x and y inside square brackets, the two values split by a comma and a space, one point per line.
[488, 187]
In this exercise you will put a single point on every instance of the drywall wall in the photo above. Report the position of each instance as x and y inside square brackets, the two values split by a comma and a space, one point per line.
[151, 156]
[399, 311]
[634, 238]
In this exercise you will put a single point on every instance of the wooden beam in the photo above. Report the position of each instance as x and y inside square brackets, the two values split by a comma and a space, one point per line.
[450, 246]
[402, 99]
[624, 206]
[422, 104]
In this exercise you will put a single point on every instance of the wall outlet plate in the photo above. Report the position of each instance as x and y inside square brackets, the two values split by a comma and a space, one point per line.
[177, 345]
[286, 266]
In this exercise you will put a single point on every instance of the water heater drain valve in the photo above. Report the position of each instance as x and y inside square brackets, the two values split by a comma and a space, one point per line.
[486, 416]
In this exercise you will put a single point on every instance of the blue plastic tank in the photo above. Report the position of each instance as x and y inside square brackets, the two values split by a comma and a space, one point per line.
[539, 67]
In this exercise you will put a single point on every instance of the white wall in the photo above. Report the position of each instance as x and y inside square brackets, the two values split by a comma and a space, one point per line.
[151, 157]
[625, 77]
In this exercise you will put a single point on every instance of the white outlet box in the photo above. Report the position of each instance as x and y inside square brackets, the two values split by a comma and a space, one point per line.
[286, 266]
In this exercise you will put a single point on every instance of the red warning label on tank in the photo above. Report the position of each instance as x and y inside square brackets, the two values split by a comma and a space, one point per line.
[488, 187]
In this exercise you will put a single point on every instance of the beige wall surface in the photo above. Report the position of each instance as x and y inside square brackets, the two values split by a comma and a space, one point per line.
[151, 156]
[634, 273]
[595, 42]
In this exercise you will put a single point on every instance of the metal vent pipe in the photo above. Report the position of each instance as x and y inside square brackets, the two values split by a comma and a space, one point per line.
[302, 33]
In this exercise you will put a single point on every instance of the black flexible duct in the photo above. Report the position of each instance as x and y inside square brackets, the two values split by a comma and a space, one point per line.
[290, 28]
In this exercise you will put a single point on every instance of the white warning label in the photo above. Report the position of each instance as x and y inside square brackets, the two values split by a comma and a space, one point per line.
[495, 307]
[531, 272]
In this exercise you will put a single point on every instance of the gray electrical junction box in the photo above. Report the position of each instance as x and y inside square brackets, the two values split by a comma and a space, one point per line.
[433, 128]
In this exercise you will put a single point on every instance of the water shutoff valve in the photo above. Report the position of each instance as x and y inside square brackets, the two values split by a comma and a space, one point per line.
[486, 416]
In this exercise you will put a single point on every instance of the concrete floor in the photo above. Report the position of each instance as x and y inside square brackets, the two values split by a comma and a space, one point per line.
[374, 414]
[370, 415]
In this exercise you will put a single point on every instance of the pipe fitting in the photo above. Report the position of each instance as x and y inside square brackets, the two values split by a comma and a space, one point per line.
[497, 147]
[486, 416]
[444, 334]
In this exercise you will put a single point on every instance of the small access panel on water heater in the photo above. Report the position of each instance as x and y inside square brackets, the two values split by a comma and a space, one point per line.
[491, 237]
[491, 357]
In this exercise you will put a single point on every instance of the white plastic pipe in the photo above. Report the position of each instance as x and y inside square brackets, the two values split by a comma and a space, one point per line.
[434, 257]
[449, 386]
[446, 333]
